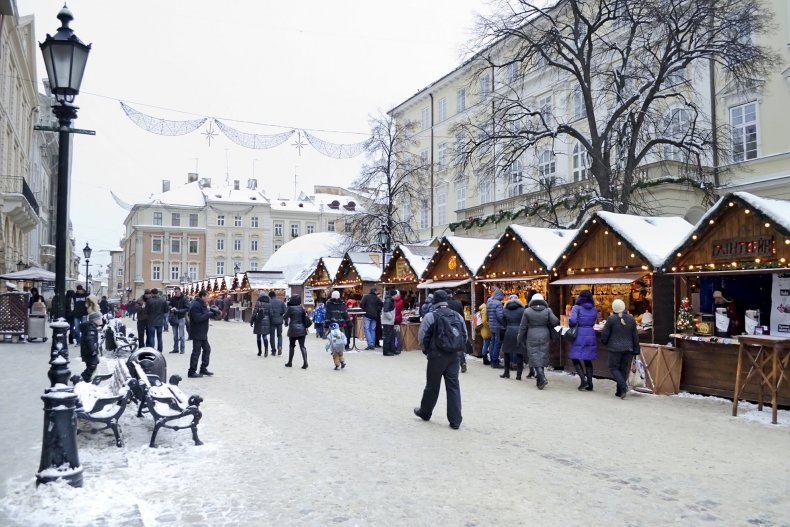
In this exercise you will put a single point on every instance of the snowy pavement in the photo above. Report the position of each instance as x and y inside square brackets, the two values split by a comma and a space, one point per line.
[285, 446]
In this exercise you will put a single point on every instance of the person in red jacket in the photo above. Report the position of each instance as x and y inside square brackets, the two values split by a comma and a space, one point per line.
[398, 308]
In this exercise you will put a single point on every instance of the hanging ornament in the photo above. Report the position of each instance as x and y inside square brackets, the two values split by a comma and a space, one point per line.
[299, 144]
[210, 133]
[255, 141]
[337, 151]
[161, 126]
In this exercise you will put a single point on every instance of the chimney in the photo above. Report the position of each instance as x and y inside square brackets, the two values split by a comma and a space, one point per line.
[165, 185]
[205, 182]
[252, 184]
[192, 177]
[235, 184]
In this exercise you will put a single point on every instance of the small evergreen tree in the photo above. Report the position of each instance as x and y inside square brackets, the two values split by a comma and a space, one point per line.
[685, 316]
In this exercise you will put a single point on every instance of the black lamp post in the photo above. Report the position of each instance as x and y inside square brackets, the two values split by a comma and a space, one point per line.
[20, 265]
[384, 241]
[86, 252]
[65, 57]
[236, 268]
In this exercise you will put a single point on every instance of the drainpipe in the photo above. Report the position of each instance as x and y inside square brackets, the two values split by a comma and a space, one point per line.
[431, 183]
[493, 130]
[715, 137]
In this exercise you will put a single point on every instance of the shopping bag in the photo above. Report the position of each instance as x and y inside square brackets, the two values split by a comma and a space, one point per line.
[636, 376]
[477, 320]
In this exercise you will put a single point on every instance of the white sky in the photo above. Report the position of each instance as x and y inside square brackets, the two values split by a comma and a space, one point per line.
[313, 64]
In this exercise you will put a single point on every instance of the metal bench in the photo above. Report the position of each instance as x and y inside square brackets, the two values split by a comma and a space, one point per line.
[103, 403]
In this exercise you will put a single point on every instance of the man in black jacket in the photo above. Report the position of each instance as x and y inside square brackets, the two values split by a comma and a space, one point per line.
[371, 304]
[156, 308]
[179, 307]
[79, 311]
[276, 328]
[89, 345]
[456, 305]
[199, 315]
[440, 364]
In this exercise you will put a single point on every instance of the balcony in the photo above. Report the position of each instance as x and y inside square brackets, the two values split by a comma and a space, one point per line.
[18, 202]
[47, 254]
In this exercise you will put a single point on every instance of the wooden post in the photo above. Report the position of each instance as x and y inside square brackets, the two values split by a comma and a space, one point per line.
[737, 391]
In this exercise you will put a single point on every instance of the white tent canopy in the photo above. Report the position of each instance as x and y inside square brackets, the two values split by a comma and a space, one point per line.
[35, 274]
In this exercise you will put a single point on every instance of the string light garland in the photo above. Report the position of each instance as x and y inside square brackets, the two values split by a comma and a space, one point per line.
[159, 126]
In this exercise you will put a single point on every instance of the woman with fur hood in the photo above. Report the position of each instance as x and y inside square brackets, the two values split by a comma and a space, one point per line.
[511, 351]
[261, 323]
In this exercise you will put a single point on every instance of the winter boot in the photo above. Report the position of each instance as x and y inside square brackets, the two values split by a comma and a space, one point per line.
[589, 369]
[290, 358]
[265, 353]
[580, 372]
[304, 358]
[486, 361]
[541, 382]
[531, 373]
[506, 374]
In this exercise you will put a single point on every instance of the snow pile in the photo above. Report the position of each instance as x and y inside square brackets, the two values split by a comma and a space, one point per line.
[547, 244]
[746, 410]
[472, 251]
[654, 237]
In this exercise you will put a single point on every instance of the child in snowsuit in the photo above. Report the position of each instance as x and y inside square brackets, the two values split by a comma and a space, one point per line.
[319, 315]
[336, 344]
[89, 344]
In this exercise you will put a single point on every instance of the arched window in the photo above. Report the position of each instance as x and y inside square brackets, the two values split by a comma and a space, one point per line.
[515, 181]
[547, 166]
[581, 162]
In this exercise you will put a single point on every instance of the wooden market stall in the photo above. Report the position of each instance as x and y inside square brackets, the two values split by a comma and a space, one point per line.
[357, 273]
[299, 284]
[403, 272]
[242, 297]
[620, 256]
[265, 281]
[454, 265]
[521, 261]
[740, 249]
[324, 275]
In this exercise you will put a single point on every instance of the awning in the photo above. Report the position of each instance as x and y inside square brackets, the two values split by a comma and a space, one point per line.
[619, 278]
[512, 279]
[446, 284]
[344, 286]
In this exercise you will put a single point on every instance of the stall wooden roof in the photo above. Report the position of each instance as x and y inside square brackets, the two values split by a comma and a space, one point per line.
[325, 271]
[305, 274]
[241, 282]
[357, 268]
[266, 280]
[407, 263]
[457, 258]
[740, 232]
[524, 252]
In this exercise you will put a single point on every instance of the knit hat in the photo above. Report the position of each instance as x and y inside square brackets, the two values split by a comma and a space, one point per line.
[618, 306]
[336, 294]
[430, 297]
[440, 295]
[585, 292]
[537, 296]
[392, 292]
[512, 297]
[373, 290]
[334, 325]
[93, 317]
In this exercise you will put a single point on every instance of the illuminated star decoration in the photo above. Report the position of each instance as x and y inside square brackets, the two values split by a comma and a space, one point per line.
[210, 133]
[299, 144]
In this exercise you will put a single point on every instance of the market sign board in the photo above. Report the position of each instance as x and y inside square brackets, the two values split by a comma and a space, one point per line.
[735, 248]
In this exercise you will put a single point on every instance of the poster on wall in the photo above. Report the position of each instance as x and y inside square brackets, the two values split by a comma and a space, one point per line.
[308, 296]
[780, 305]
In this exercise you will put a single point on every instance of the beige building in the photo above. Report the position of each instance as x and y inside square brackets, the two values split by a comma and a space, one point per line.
[459, 199]
[115, 286]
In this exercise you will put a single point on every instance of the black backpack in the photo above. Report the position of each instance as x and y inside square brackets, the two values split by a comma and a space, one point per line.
[448, 334]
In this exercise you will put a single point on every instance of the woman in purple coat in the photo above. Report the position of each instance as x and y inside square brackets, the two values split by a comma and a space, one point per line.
[585, 345]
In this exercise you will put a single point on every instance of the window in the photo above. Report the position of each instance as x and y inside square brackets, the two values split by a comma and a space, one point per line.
[278, 229]
[175, 272]
[157, 218]
[441, 206]
[193, 246]
[547, 167]
[294, 230]
[676, 77]
[515, 180]
[254, 244]
[220, 220]
[581, 162]
[237, 265]
[512, 71]
[220, 244]
[441, 108]
[460, 100]
[175, 245]
[175, 219]
[424, 214]
[577, 104]
[119, 272]
[460, 196]
[425, 118]
[220, 267]
[483, 136]
[485, 86]
[460, 147]
[330, 226]
[253, 265]
[347, 226]
[156, 244]
[156, 271]
[277, 247]
[310, 228]
[545, 110]
[237, 243]
[193, 271]
[237, 221]
[743, 120]
[254, 222]
[442, 154]
[424, 159]
[193, 220]
[486, 193]
[677, 126]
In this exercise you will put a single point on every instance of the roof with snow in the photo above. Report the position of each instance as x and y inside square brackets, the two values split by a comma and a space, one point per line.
[366, 265]
[546, 244]
[319, 202]
[291, 257]
[189, 195]
[332, 264]
[305, 273]
[472, 251]
[267, 280]
[776, 209]
[654, 237]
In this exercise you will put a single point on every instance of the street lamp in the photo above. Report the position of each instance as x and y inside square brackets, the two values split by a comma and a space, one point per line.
[65, 57]
[384, 239]
[86, 252]
[236, 268]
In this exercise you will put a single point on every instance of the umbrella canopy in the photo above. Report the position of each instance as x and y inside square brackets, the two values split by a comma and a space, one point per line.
[34, 274]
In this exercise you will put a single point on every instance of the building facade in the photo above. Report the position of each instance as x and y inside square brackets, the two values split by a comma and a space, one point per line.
[115, 284]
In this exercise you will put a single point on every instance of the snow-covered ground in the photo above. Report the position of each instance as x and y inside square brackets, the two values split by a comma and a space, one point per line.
[285, 446]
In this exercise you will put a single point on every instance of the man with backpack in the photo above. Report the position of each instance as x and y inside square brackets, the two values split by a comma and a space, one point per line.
[442, 337]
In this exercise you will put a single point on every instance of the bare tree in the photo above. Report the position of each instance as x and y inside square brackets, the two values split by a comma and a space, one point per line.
[394, 179]
[624, 74]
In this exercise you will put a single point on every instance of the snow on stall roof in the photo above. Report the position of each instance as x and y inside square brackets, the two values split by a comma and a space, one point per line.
[418, 256]
[473, 251]
[368, 272]
[547, 244]
[655, 237]
[309, 269]
[267, 280]
[776, 209]
[291, 257]
[332, 264]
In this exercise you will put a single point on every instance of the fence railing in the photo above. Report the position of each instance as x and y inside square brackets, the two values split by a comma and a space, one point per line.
[18, 185]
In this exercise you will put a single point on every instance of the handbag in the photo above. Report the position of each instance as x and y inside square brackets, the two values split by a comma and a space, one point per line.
[477, 320]
[636, 376]
[172, 319]
[307, 321]
[570, 333]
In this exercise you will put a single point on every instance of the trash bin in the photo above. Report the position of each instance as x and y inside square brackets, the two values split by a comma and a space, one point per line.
[664, 365]
[152, 362]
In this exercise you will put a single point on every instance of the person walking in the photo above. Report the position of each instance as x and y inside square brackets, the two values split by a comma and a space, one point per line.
[371, 304]
[388, 323]
[131, 309]
[336, 312]
[179, 307]
[297, 322]
[68, 313]
[457, 306]
[276, 328]
[427, 306]
[336, 345]
[142, 318]
[199, 315]
[319, 315]
[622, 342]
[534, 333]
[89, 344]
[495, 313]
[78, 311]
[511, 350]
[156, 308]
[104, 306]
[261, 323]
[485, 334]
[442, 336]
[585, 345]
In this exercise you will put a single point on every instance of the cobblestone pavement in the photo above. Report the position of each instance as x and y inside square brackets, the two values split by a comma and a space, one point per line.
[286, 446]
